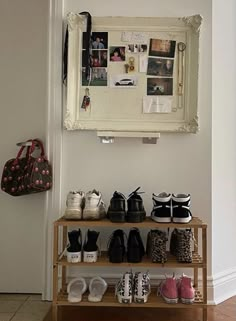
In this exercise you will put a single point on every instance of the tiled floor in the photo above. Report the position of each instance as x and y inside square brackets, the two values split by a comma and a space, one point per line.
[23, 307]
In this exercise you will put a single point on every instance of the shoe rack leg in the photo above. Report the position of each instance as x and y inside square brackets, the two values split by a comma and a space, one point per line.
[195, 280]
[64, 242]
[55, 272]
[54, 312]
[204, 272]
[204, 314]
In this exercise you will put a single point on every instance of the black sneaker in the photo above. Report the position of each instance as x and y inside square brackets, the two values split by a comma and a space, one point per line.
[116, 247]
[181, 208]
[136, 212]
[135, 248]
[161, 212]
[90, 247]
[74, 247]
[116, 211]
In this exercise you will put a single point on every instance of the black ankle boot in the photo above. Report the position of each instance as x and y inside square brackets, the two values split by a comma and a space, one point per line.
[116, 247]
[135, 248]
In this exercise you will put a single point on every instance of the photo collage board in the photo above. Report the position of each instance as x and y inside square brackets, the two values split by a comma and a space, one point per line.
[138, 54]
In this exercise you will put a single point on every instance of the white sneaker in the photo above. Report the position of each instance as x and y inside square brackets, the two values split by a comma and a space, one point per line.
[94, 206]
[142, 287]
[75, 204]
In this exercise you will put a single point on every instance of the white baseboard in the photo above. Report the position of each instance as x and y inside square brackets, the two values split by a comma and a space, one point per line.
[222, 285]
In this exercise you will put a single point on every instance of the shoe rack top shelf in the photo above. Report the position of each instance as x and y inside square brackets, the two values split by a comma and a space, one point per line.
[109, 299]
[149, 223]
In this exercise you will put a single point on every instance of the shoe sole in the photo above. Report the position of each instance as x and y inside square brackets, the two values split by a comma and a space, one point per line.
[73, 215]
[90, 257]
[143, 299]
[122, 299]
[136, 217]
[187, 301]
[116, 217]
[168, 300]
[93, 214]
[181, 220]
[73, 257]
[161, 219]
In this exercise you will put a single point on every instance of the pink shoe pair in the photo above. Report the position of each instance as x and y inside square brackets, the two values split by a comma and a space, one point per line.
[171, 289]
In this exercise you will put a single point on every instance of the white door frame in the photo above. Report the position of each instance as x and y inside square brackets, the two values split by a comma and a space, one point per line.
[54, 133]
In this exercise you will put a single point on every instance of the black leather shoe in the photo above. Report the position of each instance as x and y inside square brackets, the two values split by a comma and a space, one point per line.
[135, 248]
[116, 247]
[116, 211]
[136, 212]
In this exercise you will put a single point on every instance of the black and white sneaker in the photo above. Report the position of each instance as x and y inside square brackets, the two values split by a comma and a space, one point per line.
[181, 208]
[161, 212]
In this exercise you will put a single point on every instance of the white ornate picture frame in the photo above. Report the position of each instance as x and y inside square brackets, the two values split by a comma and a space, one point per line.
[121, 109]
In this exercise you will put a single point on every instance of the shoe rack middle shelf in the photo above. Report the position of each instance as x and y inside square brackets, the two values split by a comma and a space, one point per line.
[103, 260]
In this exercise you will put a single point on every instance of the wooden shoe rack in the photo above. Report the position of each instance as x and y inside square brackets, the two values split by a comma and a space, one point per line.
[199, 262]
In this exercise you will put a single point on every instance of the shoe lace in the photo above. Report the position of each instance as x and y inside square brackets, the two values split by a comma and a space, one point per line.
[135, 192]
[119, 193]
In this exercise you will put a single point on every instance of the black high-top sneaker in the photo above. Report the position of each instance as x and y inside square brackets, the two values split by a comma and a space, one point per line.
[136, 212]
[116, 211]
[156, 246]
[135, 248]
[116, 247]
[90, 247]
[74, 248]
[161, 212]
[181, 208]
[180, 245]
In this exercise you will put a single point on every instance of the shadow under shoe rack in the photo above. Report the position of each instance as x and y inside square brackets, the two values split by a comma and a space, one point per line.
[109, 299]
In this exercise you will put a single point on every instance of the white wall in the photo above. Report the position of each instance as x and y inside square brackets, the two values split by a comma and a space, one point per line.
[23, 76]
[178, 163]
[223, 145]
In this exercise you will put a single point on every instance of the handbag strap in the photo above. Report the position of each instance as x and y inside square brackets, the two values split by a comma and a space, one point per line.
[40, 144]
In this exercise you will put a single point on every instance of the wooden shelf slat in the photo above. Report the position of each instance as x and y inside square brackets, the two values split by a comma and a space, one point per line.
[148, 223]
[109, 299]
[146, 262]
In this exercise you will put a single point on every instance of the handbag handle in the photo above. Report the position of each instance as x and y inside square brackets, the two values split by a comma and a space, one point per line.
[39, 142]
[30, 150]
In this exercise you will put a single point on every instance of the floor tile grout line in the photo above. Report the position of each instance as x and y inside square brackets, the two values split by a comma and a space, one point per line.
[23, 302]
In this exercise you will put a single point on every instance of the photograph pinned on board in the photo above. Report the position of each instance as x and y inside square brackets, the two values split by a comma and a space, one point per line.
[117, 54]
[98, 58]
[123, 80]
[98, 77]
[162, 48]
[160, 67]
[160, 86]
[99, 40]
[136, 48]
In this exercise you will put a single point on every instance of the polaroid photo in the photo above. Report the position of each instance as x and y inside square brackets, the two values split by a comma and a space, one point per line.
[162, 48]
[160, 67]
[123, 81]
[99, 40]
[117, 54]
[160, 86]
[98, 77]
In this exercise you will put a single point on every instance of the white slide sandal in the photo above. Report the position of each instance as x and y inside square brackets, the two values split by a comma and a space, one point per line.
[97, 288]
[76, 289]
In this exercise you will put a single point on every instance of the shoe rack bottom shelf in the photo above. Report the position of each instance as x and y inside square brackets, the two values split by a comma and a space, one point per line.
[109, 299]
